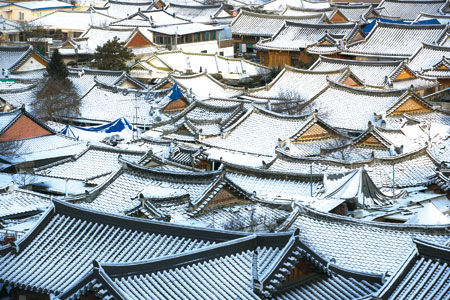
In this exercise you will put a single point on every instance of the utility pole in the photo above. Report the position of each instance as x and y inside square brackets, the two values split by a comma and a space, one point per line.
[310, 178]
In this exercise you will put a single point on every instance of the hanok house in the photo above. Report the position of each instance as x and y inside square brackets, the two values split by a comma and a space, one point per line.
[56, 255]
[15, 60]
[409, 10]
[287, 46]
[82, 49]
[190, 37]
[26, 142]
[71, 23]
[206, 14]
[379, 74]
[19, 124]
[275, 266]
[423, 275]
[389, 41]
[123, 9]
[25, 11]
[249, 27]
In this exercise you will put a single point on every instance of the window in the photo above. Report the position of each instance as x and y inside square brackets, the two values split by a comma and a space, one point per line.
[221, 53]
[196, 37]
[21, 15]
[189, 38]
[213, 35]
[207, 36]
[204, 51]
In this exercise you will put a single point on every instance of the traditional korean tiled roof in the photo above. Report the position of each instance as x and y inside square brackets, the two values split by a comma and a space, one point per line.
[194, 85]
[199, 13]
[243, 137]
[7, 119]
[45, 147]
[104, 103]
[297, 84]
[363, 246]
[81, 166]
[266, 25]
[388, 40]
[379, 74]
[200, 119]
[296, 36]
[280, 5]
[410, 169]
[74, 20]
[375, 142]
[273, 186]
[441, 70]
[19, 203]
[356, 105]
[59, 251]
[122, 9]
[119, 194]
[12, 57]
[424, 274]
[441, 179]
[427, 55]
[240, 265]
[211, 63]
[17, 93]
[84, 79]
[408, 9]
[150, 18]
[358, 12]
[443, 19]
[303, 11]
[315, 136]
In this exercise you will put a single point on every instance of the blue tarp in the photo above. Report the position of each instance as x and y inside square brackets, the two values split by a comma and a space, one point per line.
[368, 28]
[114, 127]
[176, 93]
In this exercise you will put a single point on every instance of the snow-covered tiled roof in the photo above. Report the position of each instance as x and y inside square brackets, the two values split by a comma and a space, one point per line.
[249, 23]
[19, 93]
[411, 169]
[355, 12]
[195, 85]
[151, 18]
[18, 202]
[297, 84]
[242, 136]
[198, 62]
[103, 104]
[295, 36]
[395, 40]
[119, 194]
[301, 11]
[350, 108]
[370, 72]
[70, 238]
[48, 4]
[239, 264]
[427, 55]
[85, 79]
[280, 5]
[72, 20]
[90, 164]
[197, 13]
[374, 247]
[186, 28]
[11, 57]
[409, 9]
[123, 9]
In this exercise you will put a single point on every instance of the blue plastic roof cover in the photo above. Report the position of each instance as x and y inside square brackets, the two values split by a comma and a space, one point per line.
[371, 25]
[176, 93]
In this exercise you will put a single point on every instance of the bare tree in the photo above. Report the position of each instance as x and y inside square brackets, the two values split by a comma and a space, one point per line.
[289, 102]
[56, 99]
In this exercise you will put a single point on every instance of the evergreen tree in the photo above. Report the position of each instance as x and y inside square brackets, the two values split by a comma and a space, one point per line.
[56, 69]
[113, 55]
